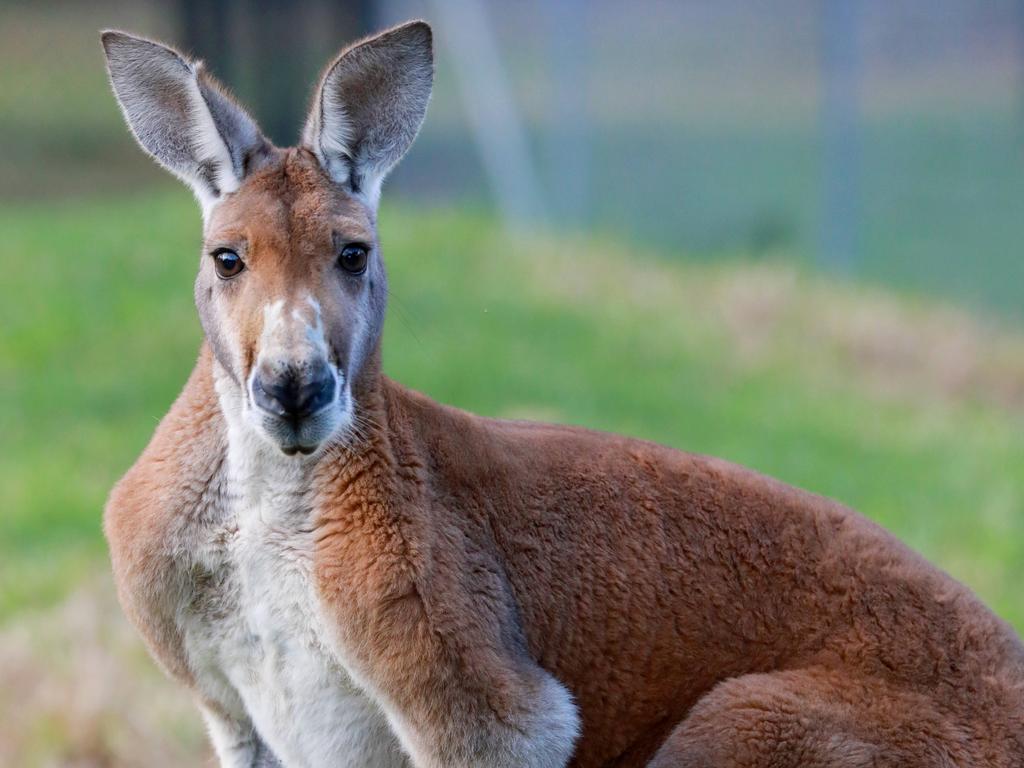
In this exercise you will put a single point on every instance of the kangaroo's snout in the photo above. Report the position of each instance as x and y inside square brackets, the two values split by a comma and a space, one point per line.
[293, 391]
[299, 396]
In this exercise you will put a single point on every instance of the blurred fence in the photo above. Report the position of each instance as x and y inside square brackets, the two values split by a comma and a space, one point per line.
[885, 139]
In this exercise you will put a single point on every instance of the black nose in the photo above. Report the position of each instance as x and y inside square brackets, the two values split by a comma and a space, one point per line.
[294, 393]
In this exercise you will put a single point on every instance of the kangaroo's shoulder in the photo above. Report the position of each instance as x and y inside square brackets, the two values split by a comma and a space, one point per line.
[176, 467]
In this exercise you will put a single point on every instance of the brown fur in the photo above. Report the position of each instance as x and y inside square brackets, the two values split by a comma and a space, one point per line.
[686, 603]
[699, 613]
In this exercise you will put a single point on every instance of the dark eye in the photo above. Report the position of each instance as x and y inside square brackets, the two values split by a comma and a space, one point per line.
[228, 263]
[353, 259]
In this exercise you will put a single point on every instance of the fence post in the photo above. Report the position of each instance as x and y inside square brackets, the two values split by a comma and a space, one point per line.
[840, 122]
[568, 144]
[204, 33]
[495, 120]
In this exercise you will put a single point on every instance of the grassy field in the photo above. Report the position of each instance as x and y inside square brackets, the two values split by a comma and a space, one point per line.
[911, 412]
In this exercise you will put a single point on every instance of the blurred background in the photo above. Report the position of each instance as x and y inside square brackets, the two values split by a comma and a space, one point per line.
[785, 233]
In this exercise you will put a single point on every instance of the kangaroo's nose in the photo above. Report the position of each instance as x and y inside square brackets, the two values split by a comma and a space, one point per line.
[293, 393]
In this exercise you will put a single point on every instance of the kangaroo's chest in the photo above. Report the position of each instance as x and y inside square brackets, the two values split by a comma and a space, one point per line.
[254, 634]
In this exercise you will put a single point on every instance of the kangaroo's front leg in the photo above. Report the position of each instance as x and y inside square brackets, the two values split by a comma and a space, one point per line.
[438, 645]
[236, 741]
[510, 716]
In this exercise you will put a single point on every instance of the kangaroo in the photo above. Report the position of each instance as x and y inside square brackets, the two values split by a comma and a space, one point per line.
[346, 573]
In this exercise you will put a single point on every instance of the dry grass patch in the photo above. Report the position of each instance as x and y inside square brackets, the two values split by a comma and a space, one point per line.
[773, 314]
[77, 690]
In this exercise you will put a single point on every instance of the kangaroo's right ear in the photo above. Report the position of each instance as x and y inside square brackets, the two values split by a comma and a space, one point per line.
[182, 117]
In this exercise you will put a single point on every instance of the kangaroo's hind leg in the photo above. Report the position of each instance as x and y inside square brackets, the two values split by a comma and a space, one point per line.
[812, 718]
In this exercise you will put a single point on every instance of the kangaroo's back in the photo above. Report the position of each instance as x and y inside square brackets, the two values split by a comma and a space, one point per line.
[732, 572]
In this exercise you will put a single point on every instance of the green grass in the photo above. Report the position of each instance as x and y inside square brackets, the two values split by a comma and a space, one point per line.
[99, 334]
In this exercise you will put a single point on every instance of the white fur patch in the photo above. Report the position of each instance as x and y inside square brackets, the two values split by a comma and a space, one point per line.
[334, 136]
[296, 335]
[255, 642]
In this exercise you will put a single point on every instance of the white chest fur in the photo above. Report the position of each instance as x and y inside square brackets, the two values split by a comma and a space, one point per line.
[253, 631]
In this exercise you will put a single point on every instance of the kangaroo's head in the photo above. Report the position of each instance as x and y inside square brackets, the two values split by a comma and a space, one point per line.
[291, 289]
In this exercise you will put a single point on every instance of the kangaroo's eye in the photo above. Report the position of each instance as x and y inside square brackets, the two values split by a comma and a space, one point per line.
[353, 258]
[228, 263]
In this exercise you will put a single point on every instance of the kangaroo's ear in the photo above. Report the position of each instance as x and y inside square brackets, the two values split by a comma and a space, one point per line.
[182, 117]
[370, 105]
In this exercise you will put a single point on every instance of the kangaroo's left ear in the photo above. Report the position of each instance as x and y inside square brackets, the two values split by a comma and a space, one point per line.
[182, 117]
[369, 107]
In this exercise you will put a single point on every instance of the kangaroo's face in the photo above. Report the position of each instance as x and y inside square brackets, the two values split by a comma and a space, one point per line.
[291, 292]
[291, 288]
